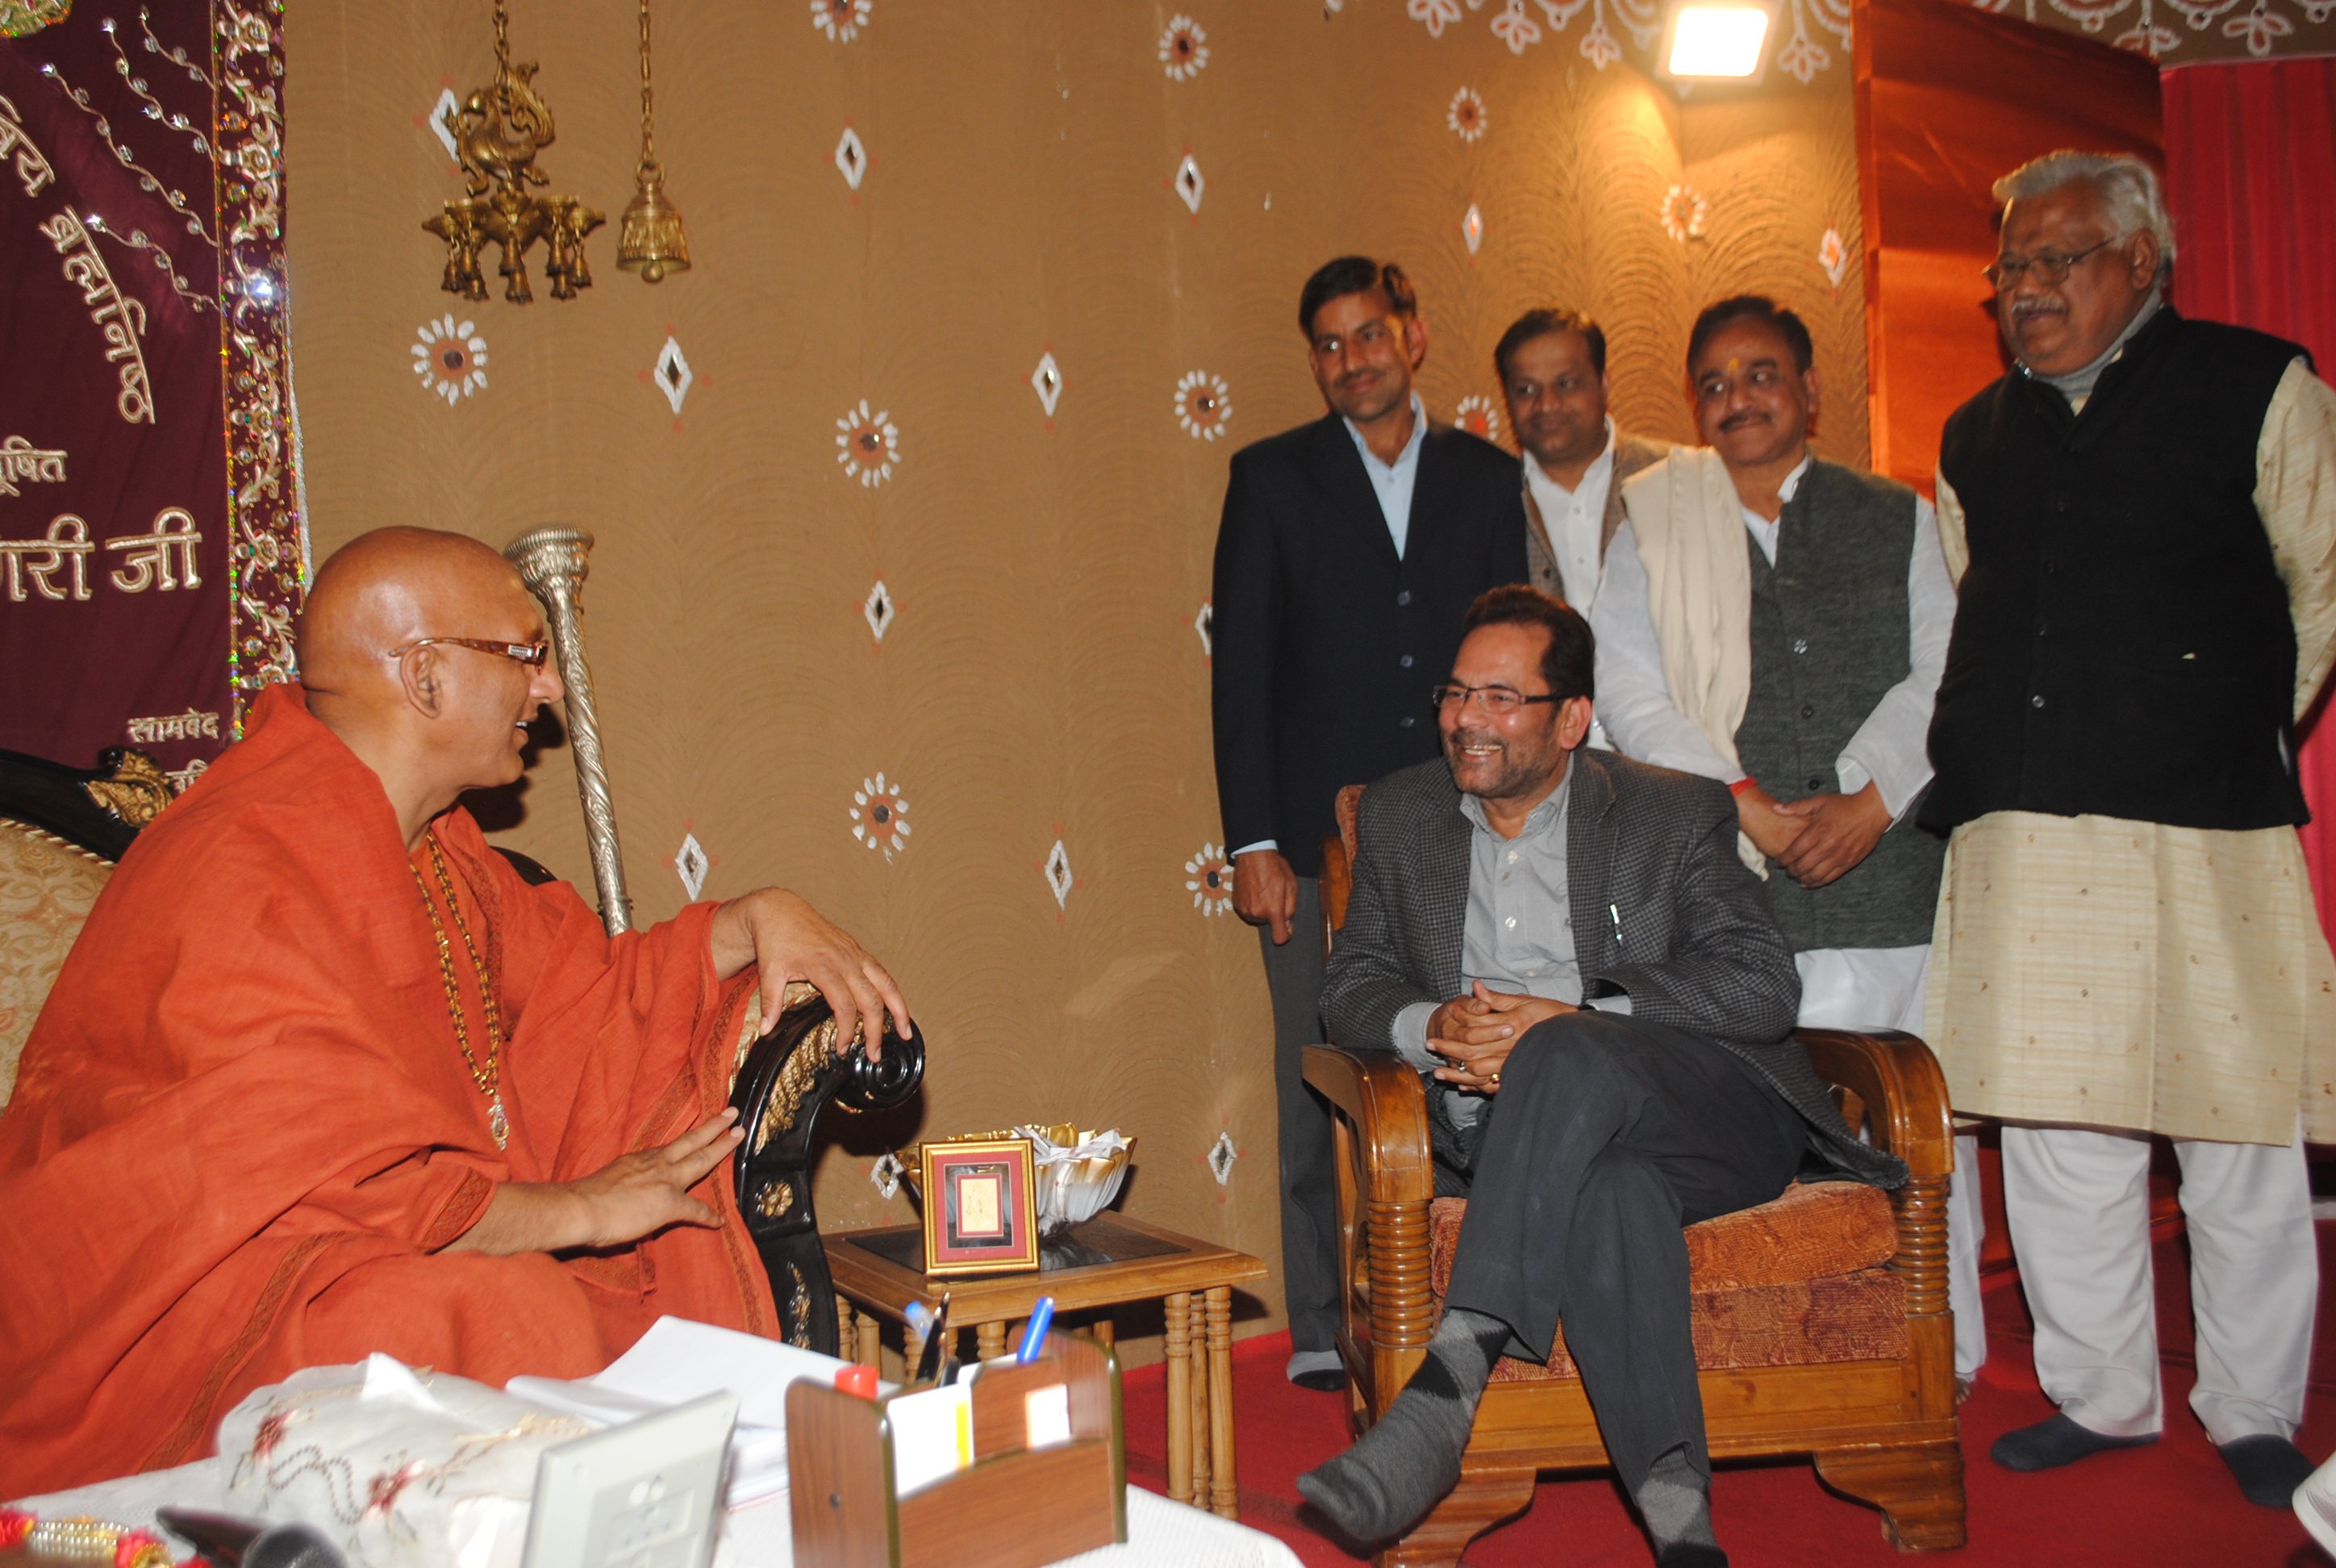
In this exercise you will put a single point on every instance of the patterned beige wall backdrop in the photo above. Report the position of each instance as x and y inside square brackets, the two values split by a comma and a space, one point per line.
[1040, 678]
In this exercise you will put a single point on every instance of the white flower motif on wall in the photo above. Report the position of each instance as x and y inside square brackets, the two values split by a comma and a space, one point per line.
[841, 20]
[880, 817]
[1204, 405]
[1183, 49]
[1478, 415]
[1209, 878]
[1466, 115]
[867, 444]
[1436, 15]
[1684, 212]
[450, 359]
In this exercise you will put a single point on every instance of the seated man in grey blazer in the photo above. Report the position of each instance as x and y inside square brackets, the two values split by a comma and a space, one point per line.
[1567, 942]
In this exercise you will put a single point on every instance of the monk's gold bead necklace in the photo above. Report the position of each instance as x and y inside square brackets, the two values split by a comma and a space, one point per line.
[489, 1078]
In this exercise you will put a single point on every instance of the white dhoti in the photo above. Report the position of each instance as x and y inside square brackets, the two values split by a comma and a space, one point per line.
[2109, 980]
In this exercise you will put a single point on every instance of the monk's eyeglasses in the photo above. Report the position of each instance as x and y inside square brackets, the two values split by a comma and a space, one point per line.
[530, 654]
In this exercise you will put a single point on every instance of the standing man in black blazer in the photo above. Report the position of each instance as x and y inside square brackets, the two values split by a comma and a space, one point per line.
[1350, 549]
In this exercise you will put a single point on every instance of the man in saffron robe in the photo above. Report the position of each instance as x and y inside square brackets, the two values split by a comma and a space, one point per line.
[324, 1075]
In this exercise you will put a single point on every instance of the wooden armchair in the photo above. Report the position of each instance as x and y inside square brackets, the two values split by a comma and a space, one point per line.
[1821, 1319]
[62, 828]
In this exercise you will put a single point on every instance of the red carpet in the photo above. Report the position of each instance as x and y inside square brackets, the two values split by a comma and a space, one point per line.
[2173, 1503]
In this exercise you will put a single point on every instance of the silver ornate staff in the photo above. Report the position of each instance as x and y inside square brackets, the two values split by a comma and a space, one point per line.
[553, 561]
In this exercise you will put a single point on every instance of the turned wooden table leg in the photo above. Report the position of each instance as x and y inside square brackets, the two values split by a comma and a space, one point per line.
[871, 1341]
[1180, 1399]
[1224, 1494]
[912, 1350]
[1197, 1412]
[1105, 1332]
[989, 1340]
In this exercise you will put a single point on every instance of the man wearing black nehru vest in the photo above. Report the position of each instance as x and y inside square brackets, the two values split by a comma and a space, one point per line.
[1349, 551]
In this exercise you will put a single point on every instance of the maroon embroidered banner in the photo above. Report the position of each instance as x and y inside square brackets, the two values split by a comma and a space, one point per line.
[151, 538]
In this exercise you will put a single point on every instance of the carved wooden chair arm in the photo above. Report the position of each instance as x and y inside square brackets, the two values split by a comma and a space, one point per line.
[1380, 1094]
[783, 1080]
[1897, 1083]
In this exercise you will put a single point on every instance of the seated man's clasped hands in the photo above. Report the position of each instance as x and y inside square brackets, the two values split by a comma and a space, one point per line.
[324, 1075]
[1568, 942]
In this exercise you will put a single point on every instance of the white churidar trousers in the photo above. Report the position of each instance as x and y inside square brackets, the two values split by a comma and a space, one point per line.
[1882, 988]
[2077, 1199]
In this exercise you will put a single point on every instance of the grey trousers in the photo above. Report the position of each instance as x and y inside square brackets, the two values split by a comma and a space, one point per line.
[1608, 1138]
[1310, 1196]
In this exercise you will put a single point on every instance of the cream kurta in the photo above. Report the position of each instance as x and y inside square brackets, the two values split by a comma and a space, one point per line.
[2130, 974]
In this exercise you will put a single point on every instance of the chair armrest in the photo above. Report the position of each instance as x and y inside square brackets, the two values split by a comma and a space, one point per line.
[1905, 1099]
[1904, 1091]
[1380, 1094]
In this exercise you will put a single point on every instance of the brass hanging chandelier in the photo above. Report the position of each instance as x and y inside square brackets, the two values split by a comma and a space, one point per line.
[650, 241]
[497, 130]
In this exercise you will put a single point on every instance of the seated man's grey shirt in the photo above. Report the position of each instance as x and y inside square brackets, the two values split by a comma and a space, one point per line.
[1519, 934]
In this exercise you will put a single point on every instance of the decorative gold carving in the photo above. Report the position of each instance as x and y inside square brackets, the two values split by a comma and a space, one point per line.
[553, 563]
[776, 1200]
[137, 792]
[497, 130]
[795, 1077]
[798, 1307]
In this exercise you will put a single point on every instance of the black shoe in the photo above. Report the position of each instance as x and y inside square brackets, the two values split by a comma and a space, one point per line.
[2057, 1441]
[1690, 1555]
[2268, 1470]
[1330, 1379]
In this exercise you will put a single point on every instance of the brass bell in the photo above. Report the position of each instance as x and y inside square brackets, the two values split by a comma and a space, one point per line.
[651, 242]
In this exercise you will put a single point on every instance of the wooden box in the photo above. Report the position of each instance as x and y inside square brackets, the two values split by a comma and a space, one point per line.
[1013, 1508]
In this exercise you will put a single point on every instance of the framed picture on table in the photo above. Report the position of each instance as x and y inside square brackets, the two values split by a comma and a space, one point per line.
[980, 1206]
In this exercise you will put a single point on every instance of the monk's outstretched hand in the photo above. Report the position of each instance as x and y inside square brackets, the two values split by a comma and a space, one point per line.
[790, 940]
[625, 1200]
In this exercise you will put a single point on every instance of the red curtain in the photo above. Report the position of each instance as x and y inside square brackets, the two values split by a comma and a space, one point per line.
[2251, 175]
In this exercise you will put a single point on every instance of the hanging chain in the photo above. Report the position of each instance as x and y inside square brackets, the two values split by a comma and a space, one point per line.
[502, 38]
[648, 137]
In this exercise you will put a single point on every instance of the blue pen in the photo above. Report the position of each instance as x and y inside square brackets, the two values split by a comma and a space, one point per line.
[1034, 1336]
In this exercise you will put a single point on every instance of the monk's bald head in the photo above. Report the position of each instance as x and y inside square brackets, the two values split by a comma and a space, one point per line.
[392, 587]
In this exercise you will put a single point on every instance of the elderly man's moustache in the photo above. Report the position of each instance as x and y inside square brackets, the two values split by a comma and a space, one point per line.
[2025, 308]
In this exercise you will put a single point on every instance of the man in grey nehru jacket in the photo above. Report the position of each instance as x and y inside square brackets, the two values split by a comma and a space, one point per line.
[1779, 623]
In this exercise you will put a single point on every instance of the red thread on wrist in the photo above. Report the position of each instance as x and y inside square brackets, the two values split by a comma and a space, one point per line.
[1740, 785]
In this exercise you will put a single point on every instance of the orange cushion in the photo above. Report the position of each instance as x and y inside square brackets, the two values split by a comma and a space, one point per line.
[1859, 1316]
[1795, 1282]
[1815, 1229]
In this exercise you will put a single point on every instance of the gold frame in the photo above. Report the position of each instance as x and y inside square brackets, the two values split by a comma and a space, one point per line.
[1022, 1203]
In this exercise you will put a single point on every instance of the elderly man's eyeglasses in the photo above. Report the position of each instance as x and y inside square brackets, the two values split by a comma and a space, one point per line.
[2050, 268]
[530, 654]
[1497, 700]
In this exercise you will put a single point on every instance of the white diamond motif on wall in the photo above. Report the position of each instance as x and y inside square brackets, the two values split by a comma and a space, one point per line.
[1057, 870]
[1221, 1156]
[877, 609]
[1046, 381]
[672, 373]
[689, 863]
[851, 157]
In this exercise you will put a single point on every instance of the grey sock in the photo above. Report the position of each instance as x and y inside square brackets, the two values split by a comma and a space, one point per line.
[1675, 1500]
[1406, 1463]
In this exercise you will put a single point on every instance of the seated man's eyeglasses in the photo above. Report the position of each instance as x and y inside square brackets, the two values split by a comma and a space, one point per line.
[530, 654]
[2005, 271]
[1493, 699]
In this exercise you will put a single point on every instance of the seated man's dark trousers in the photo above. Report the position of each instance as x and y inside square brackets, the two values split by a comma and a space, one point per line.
[1609, 1136]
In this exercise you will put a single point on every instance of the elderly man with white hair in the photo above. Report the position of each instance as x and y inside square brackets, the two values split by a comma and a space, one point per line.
[2141, 517]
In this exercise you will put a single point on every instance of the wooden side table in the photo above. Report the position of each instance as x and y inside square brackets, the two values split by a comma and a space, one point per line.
[1108, 1261]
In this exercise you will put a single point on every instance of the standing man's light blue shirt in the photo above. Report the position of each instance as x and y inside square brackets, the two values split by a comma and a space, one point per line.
[1392, 482]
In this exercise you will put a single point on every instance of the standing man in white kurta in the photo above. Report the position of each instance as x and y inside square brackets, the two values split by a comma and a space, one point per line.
[2142, 518]
[1778, 623]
